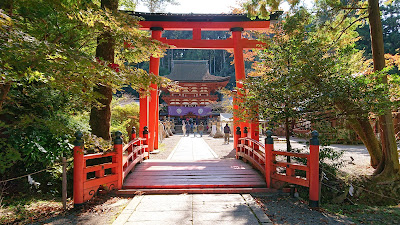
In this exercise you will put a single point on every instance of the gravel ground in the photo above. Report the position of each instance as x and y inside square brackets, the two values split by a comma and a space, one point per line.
[166, 146]
[283, 209]
[101, 210]
[224, 151]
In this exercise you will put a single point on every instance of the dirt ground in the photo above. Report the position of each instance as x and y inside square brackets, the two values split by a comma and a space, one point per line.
[281, 208]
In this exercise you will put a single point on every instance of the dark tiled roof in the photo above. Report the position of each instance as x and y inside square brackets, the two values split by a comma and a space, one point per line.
[192, 17]
[193, 71]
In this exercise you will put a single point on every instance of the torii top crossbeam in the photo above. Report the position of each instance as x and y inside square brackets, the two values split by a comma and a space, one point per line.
[204, 22]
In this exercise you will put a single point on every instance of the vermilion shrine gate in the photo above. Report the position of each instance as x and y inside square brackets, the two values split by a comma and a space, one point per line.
[236, 23]
[246, 141]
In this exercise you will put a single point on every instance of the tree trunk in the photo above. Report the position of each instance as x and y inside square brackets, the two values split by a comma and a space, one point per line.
[362, 127]
[287, 133]
[4, 89]
[7, 6]
[389, 165]
[100, 117]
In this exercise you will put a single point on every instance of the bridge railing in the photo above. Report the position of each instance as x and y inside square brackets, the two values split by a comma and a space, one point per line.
[264, 158]
[105, 170]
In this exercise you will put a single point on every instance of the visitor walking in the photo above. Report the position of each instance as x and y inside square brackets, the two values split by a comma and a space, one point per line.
[184, 128]
[187, 129]
[194, 129]
[201, 129]
[227, 132]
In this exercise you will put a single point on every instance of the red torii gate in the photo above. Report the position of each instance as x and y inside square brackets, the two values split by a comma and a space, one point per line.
[236, 23]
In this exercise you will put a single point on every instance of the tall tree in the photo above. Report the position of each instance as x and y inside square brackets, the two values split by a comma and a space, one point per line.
[50, 48]
[100, 115]
[383, 156]
[157, 5]
[389, 165]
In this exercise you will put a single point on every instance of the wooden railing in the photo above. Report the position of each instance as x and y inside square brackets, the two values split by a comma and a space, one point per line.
[264, 158]
[105, 170]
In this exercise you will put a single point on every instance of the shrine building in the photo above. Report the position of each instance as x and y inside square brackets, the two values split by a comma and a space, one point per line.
[197, 91]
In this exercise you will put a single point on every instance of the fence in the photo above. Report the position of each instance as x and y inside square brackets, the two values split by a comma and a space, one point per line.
[106, 170]
[264, 158]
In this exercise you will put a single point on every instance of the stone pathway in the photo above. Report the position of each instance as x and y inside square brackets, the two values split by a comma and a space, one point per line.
[193, 209]
[192, 148]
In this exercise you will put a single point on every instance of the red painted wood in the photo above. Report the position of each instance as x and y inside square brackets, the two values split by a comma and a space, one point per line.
[98, 155]
[314, 172]
[144, 113]
[293, 180]
[196, 191]
[156, 124]
[268, 162]
[171, 25]
[194, 174]
[99, 167]
[300, 155]
[292, 165]
[79, 178]
[212, 44]
[154, 69]
[118, 160]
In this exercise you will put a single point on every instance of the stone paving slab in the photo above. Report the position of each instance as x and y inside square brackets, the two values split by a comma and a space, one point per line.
[231, 215]
[172, 206]
[220, 207]
[167, 216]
[191, 148]
[194, 209]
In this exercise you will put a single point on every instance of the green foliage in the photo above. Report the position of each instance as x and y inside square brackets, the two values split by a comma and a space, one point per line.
[124, 117]
[391, 31]
[312, 71]
[157, 5]
[330, 161]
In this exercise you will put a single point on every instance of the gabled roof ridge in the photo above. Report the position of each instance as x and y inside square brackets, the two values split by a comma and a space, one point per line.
[193, 70]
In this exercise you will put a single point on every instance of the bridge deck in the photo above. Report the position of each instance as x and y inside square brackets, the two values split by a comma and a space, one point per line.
[214, 173]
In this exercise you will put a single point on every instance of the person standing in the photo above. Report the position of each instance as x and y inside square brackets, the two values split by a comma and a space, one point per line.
[227, 132]
[183, 128]
[201, 129]
[194, 129]
[187, 128]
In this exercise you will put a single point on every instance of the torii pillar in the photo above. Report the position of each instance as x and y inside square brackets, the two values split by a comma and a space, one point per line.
[240, 77]
[156, 33]
[239, 69]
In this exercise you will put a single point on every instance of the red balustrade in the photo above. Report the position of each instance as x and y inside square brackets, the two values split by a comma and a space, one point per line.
[264, 158]
[108, 175]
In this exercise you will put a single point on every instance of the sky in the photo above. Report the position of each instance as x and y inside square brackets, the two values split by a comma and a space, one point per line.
[200, 6]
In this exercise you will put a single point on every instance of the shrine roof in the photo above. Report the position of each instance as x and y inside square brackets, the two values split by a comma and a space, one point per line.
[193, 17]
[193, 71]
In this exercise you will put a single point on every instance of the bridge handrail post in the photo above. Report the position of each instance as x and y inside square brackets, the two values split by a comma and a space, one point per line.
[314, 170]
[79, 164]
[118, 158]
[245, 132]
[146, 140]
[269, 147]
[133, 133]
[238, 133]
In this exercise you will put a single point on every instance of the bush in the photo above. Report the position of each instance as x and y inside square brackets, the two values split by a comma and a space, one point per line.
[124, 117]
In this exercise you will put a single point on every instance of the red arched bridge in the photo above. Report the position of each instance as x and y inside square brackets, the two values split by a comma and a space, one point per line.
[205, 176]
